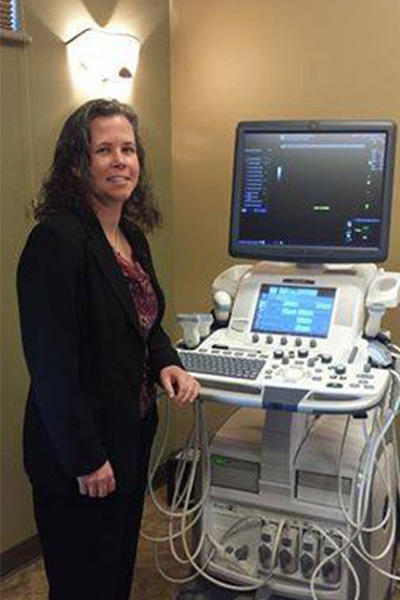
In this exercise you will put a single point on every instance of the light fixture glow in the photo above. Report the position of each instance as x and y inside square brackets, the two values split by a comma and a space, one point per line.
[106, 56]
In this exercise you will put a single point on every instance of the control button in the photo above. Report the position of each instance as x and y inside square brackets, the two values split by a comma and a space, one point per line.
[302, 353]
[285, 360]
[292, 353]
[278, 353]
[255, 338]
[269, 339]
[340, 369]
[298, 342]
[311, 362]
[367, 368]
[326, 358]
[313, 343]
[284, 341]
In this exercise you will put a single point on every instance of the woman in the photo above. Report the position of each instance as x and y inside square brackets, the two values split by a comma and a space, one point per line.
[91, 310]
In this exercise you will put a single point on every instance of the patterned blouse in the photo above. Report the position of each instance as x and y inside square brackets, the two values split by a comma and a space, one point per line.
[146, 305]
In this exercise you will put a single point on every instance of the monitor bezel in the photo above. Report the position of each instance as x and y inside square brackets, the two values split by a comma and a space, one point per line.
[314, 254]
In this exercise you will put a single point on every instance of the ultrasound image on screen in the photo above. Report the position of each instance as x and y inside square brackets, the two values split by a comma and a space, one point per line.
[311, 189]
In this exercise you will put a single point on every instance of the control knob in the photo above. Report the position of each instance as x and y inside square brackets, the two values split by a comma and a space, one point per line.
[326, 358]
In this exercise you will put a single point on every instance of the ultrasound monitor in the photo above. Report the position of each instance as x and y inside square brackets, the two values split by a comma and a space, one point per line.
[312, 192]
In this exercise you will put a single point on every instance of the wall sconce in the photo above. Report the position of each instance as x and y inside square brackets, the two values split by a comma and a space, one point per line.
[104, 55]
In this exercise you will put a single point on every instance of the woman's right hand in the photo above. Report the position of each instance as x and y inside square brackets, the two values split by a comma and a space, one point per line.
[98, 484]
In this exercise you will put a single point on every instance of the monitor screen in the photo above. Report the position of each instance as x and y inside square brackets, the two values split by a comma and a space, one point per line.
[303, 311]
[312, 192]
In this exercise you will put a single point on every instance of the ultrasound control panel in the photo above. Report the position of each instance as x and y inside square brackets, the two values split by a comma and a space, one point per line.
[292, 343]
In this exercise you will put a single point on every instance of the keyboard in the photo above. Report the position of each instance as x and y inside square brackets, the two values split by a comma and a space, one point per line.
[223, 366]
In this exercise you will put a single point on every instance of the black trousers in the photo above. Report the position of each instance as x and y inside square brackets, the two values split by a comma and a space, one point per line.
[89, 544]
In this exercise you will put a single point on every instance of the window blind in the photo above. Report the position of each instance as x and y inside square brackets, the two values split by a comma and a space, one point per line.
[10, 17]
[12, 27]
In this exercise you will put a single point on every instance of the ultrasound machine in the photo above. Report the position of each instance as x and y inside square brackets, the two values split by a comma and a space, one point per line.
[298, 493]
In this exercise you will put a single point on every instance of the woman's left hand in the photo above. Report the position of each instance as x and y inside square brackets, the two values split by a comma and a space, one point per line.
[179, 385]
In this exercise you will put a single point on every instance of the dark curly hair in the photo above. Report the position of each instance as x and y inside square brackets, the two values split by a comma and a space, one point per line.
[64, 190]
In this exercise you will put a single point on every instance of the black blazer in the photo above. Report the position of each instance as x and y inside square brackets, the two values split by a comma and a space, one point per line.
[85, 353]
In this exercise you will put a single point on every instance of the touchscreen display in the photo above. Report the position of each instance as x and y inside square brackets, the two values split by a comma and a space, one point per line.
[294, 310]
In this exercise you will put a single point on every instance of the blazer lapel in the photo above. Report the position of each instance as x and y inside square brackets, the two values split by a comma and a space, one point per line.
[107, 263]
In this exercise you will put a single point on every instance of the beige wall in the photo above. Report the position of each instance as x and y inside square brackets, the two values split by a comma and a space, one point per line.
[37, 93]
[235, 60]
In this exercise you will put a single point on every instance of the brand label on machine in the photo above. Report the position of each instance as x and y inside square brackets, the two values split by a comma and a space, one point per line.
[225, 508]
